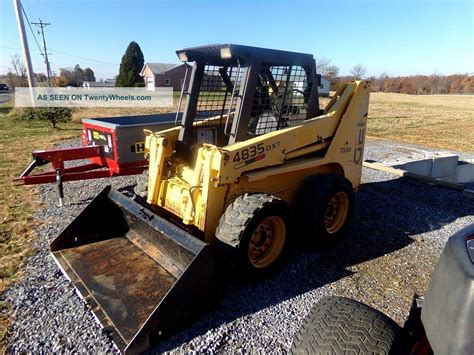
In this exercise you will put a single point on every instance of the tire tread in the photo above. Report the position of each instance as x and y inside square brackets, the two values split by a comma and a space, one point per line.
[338, 325]
[238, 214]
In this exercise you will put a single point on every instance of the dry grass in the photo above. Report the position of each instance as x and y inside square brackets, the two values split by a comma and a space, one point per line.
[17, 204]
[439, 121]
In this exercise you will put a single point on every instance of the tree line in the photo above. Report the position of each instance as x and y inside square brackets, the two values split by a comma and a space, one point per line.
[16, 75]
[74, 77]
[424, 84]
[413, 84]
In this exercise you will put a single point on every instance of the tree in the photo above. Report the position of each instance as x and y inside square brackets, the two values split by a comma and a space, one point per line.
[88, 75]
[53, 114]
[77, 76]
[65, 77]
[322, 64]
[467, 85]
[40, 77]
[18, 66]
[130, 66]
[358, 72]
[331, 73]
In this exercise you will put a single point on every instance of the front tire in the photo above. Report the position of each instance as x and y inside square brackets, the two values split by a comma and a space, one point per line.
[253, 232]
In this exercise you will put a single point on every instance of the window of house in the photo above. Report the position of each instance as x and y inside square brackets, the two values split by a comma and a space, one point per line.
[167, 82]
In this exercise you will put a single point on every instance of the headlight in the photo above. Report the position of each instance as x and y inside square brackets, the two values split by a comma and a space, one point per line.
[183, 57]
[226, 53]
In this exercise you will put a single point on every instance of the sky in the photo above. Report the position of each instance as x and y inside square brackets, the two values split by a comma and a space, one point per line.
[396, 37]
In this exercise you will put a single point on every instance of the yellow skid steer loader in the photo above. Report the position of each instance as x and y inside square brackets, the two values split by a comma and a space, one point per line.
[252, 154]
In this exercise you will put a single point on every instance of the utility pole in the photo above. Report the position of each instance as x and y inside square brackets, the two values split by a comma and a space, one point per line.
[24, 44]
[42, 25]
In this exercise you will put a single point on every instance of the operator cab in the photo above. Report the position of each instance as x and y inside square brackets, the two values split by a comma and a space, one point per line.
[237, 92]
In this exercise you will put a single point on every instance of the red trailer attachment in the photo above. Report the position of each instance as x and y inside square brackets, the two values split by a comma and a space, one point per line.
[112, 146]
[98, 169]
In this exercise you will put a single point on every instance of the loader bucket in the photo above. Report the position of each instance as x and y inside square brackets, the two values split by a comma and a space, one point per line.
[142, 275]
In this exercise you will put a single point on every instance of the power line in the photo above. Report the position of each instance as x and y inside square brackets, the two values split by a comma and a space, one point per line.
[91, 60]
[15, 48]
[31, 28]
[70, 55]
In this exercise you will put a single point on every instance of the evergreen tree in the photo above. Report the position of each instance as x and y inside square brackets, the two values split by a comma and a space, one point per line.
[88, 74]
[130, 67]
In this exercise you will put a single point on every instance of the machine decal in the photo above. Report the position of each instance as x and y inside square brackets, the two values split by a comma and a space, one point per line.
[252, 154]
[249, 152]
[138, 148]
[249, 161]
[104, 139]
[359, 149]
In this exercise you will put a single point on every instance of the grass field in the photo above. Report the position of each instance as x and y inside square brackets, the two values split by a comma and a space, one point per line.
[17, 204]
[440, 121]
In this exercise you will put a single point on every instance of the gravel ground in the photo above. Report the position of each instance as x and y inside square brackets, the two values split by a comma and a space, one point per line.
[399, 229]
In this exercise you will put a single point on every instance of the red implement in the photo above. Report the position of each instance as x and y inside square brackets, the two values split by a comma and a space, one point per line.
[92, 170]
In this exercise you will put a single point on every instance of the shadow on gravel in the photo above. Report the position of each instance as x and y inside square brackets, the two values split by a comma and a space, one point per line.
[387, 216]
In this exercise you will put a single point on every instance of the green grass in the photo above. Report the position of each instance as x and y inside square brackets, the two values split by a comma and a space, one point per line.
[18, 137]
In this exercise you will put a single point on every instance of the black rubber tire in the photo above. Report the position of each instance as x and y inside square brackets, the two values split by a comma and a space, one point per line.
[338, 325]
[141, 189]
[312, 201]
[237, 224]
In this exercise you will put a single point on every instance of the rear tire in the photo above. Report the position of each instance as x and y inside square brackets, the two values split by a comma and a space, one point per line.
[338, 325]
[325, 204]
[253, 231]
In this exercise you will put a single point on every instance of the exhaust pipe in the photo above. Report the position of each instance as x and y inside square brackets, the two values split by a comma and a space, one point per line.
[142, 276]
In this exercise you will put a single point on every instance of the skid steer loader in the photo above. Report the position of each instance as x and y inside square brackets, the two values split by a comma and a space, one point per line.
[252, 153]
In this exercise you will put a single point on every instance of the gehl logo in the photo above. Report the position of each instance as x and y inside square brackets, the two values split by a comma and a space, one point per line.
[359, 148]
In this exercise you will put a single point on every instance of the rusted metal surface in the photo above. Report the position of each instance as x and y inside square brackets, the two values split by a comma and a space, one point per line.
[124, 281]
[141, 275]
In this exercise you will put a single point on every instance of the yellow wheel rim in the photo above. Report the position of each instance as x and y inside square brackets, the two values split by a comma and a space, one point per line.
[267, 241]
[336, 212]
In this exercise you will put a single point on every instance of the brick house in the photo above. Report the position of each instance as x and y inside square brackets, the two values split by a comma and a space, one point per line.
[164, 75]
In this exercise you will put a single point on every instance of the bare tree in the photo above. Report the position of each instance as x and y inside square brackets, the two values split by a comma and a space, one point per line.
[358, 71]
[331, 72]
[322, 64]
[18, 66]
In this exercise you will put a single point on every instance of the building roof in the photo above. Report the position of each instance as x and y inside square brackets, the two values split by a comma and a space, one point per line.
[159, 68]
[96, 84]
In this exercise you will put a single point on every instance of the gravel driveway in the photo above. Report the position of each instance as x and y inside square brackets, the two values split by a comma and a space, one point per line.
[399, 228]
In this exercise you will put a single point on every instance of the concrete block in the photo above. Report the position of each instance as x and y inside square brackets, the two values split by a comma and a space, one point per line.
[419, 167]
[444, 166]
[465, 173]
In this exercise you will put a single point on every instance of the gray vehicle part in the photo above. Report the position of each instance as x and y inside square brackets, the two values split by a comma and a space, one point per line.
[448, 309]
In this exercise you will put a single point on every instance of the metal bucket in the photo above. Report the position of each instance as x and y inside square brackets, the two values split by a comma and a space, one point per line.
[142, 275]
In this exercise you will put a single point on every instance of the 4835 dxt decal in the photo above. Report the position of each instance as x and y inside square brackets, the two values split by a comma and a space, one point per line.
[252, 154]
